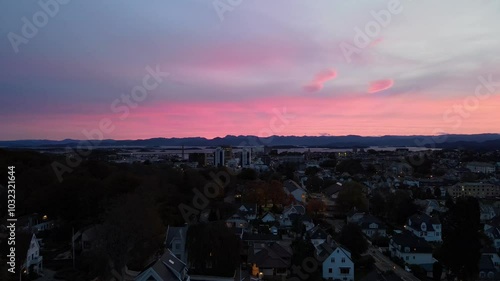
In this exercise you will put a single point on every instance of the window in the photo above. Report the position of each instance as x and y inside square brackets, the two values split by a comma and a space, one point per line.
[343, 260]
[177, 246]
[407, 257]
[330, 270]
[345, 270]
[332, 260]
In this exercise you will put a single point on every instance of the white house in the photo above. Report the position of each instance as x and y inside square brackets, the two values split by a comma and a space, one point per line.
[425, 226]
[175, 241]
[28, 248]
[338, 265]
[411, 249]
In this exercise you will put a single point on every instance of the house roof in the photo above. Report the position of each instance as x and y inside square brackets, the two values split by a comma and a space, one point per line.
[367, 220]
[417, 220]
[414, 243]
[168, 267]
[317, 233]
[332, 189]
[291, 186]
[299, 208]
[250, 209]
[259, 237]
[493, 232]
[272, 256]
[486, 264]
[175, 233]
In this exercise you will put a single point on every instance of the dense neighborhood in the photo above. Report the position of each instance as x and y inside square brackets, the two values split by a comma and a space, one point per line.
[260, 214]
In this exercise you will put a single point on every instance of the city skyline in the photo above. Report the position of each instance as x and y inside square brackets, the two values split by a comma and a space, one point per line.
[211, 69]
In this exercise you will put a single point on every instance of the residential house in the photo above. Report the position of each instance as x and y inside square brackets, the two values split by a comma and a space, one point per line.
[480, 167]
[270, 259]
[372, 226]
[260, 238]
[430, 206]
[293, 188]
[87, 238]
[332, 191]
[35, 223]
[492, 254]
[248, 211]
[411, 249]
[318, 236]
[493, 232]
[425, 226]
[268, 217]
[487, 270]
[338, 265]
[175, 241]
[291, 213]
[167, 268]
[474, 189]
[487, 212]
[354, 216]
[237, 221]
[28, 253]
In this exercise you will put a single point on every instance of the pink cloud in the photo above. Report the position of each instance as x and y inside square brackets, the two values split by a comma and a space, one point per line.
[380, 85]
[321, 78]
[354, 114]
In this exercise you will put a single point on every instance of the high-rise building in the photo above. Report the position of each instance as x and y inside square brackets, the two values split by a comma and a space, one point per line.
[219, 159]
[246, 157]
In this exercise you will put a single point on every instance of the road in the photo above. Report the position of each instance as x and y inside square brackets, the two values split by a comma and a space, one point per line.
[383, 263]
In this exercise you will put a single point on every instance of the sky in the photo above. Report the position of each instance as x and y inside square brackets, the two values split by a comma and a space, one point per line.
[163, 68]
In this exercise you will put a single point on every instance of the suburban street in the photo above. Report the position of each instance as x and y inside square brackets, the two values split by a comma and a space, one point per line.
[383, 263]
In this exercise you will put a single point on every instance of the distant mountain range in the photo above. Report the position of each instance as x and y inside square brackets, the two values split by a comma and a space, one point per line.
[478, 141]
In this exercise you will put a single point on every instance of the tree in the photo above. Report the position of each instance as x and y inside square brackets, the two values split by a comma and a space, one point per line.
[314, 183]
[378, 204]
[461, 238]
[351, 166]
[311, 171]
[400, 206]
[314, 206]
[437, 192]
[351, 196]
[437, 271]
[352, 237]
[248, 174]
[213, 249]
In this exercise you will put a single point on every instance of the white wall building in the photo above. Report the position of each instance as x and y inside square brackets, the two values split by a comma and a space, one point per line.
[338, 265]
[425, 226]
[219, 157]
